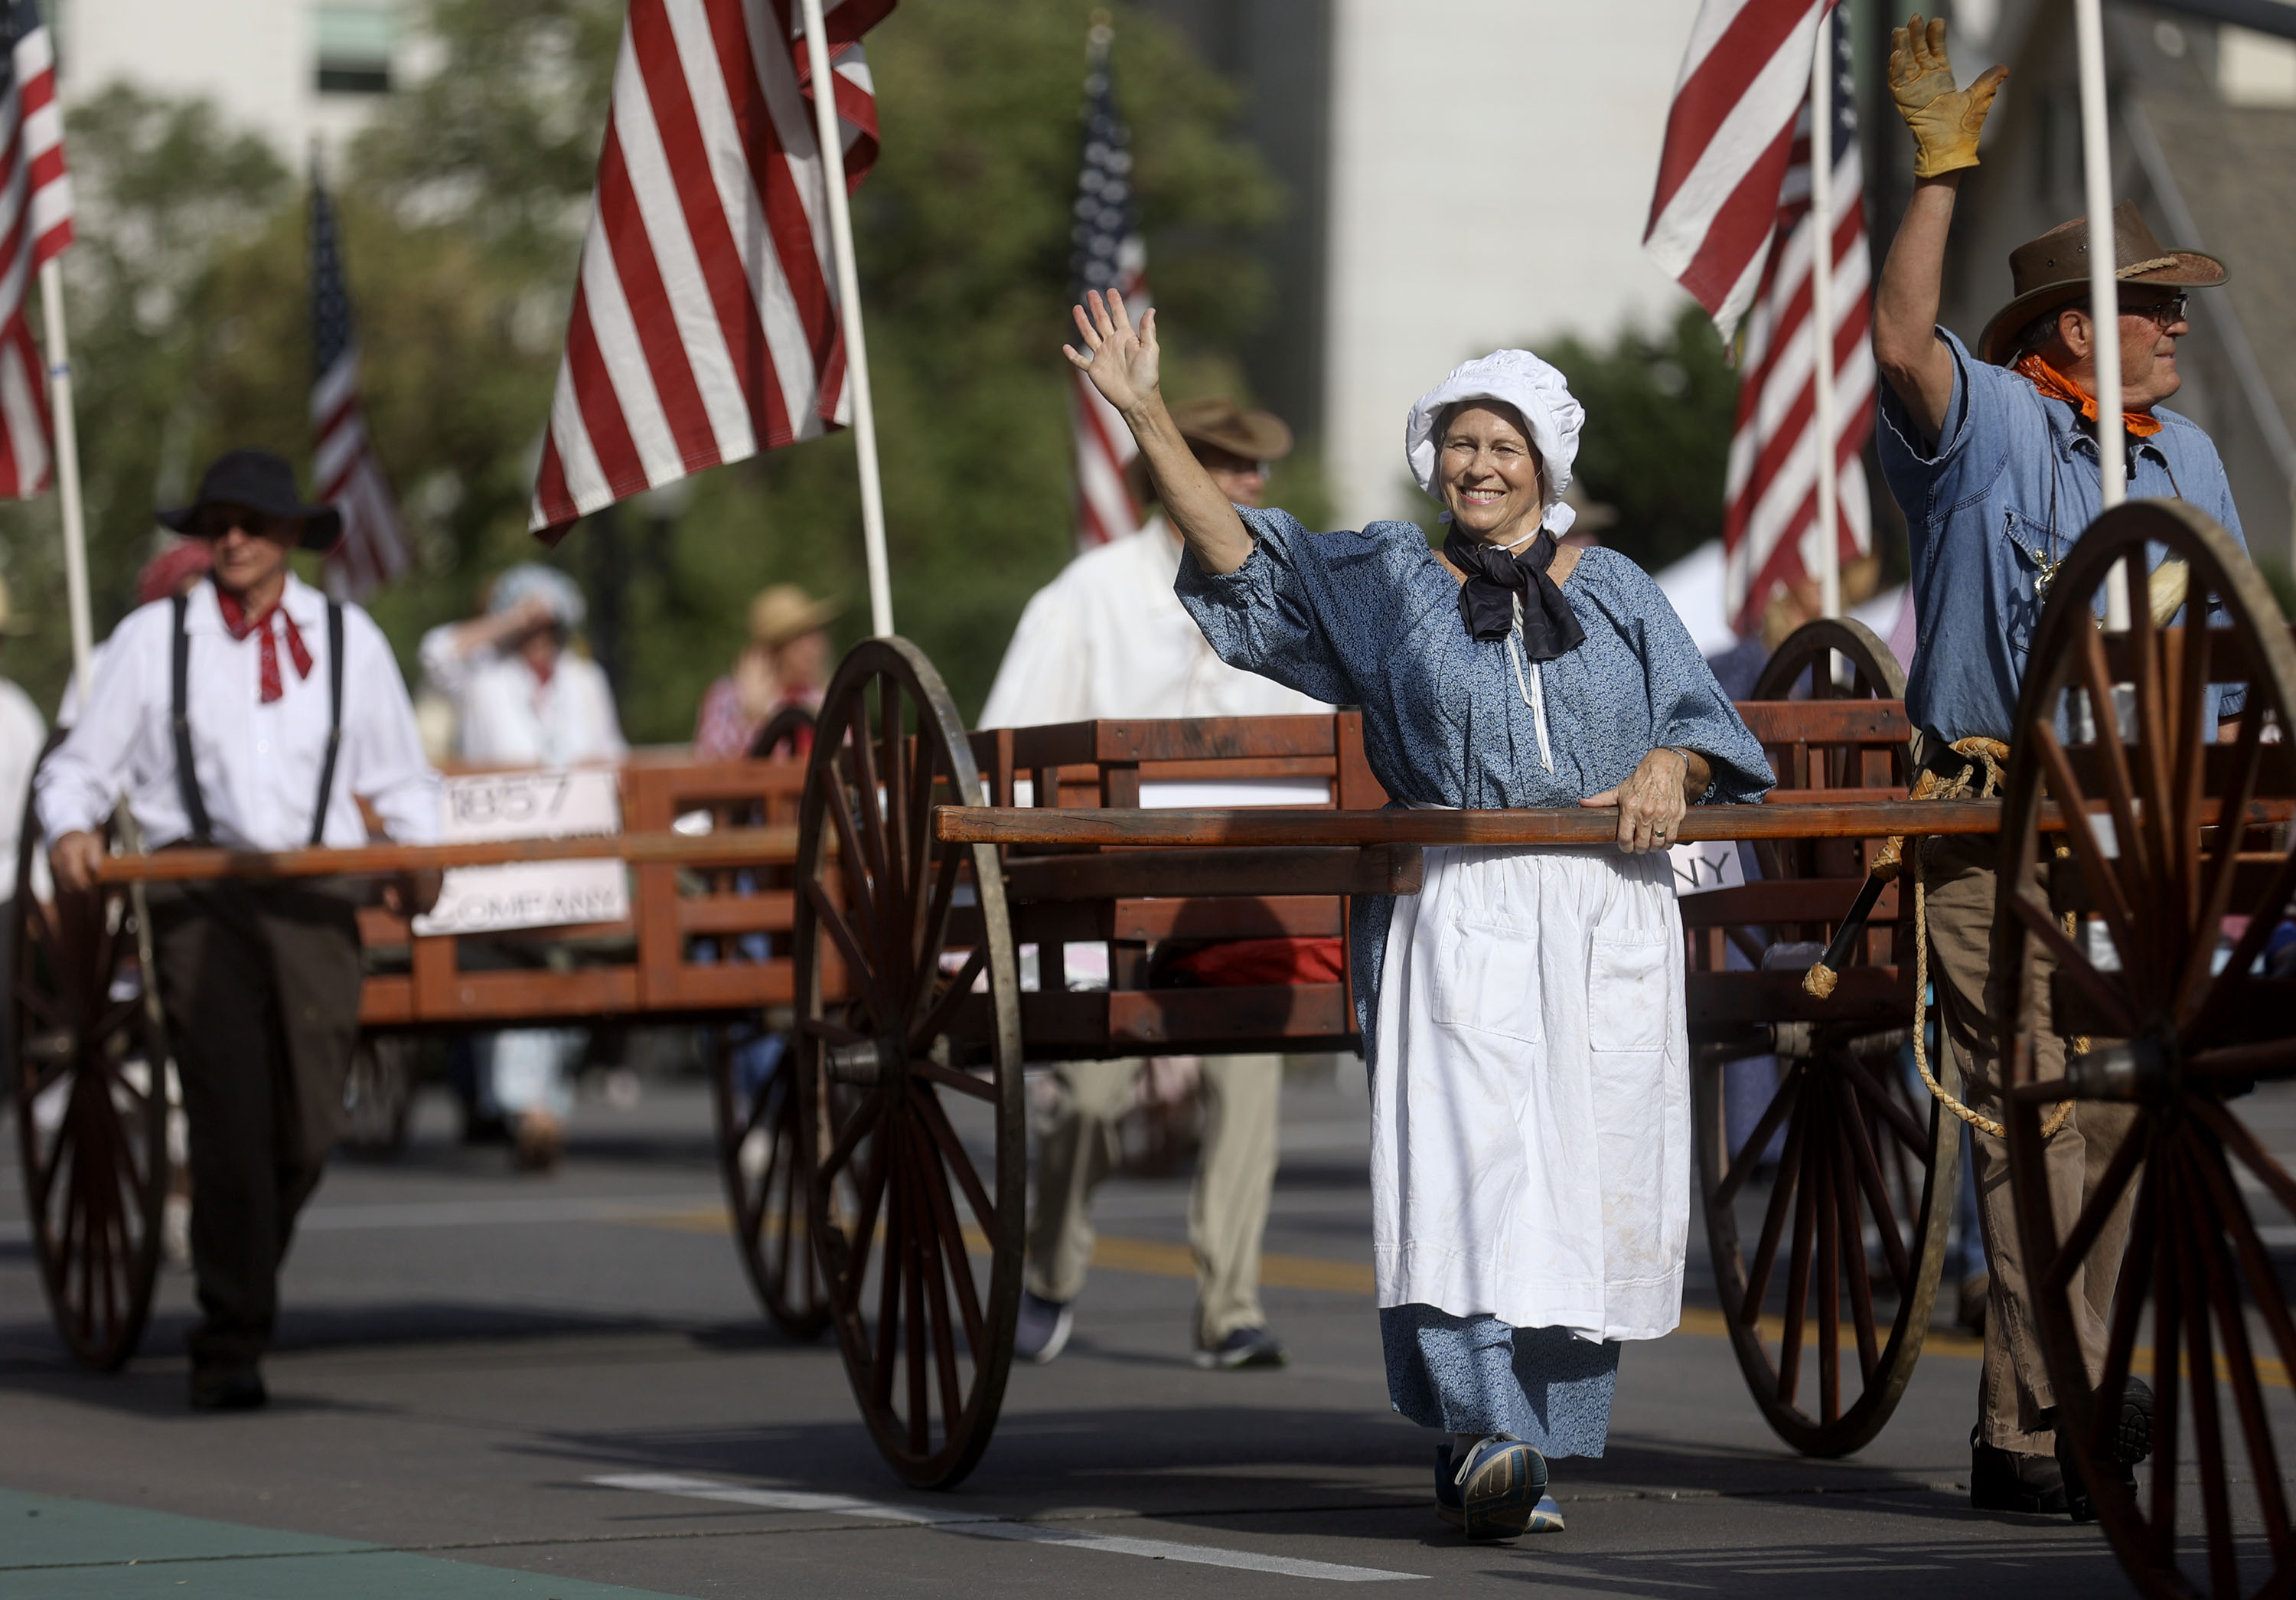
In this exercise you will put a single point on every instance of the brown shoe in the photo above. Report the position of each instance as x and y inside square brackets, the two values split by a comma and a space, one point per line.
[541, 1141]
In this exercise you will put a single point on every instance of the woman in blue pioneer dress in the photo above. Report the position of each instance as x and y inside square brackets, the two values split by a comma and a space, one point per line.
[1524, 1014]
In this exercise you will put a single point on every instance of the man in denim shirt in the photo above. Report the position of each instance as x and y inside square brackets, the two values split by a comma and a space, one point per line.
[1995, 461]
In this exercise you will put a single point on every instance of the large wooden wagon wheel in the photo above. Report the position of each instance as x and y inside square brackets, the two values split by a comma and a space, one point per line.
[908, 1066]
[1860, 1200]
[755, 1090]
[2172, 898]
[90, 1062]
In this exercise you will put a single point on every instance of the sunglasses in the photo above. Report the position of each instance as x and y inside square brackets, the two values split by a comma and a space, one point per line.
[2167, 313]
[214, 522]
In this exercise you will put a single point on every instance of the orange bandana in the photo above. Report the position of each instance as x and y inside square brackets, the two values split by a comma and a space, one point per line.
[2050, 381]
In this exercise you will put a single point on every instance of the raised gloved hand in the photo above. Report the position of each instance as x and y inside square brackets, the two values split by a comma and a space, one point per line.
[1945, 120]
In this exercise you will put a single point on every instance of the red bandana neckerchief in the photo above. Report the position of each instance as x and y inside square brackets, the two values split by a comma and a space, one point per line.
[240, 624]
[2050, 381]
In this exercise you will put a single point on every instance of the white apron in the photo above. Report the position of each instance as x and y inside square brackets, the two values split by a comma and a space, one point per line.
[1530, 1105]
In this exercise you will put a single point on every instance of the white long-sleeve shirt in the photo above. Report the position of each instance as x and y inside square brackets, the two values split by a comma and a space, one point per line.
[258, 764]
[1109, 638]
[21, 735]
[505, 715]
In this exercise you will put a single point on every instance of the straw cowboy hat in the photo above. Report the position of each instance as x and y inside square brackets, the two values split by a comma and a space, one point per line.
[785, 612]
[2052, 272]
[262, 482]
[1218, 421]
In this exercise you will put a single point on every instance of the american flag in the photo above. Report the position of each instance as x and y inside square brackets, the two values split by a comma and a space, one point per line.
[373, 549]
[35, 225]
[1109, 254]
[1728, 140]
[1770, 527]
[705, 324]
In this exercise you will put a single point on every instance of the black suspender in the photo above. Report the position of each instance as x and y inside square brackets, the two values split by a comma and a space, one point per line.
[187, 777]
[334, 717]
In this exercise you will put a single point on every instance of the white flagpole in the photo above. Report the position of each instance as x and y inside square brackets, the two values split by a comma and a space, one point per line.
[848, 307]
[60, 402]
[2103, 287]
[1821, 317]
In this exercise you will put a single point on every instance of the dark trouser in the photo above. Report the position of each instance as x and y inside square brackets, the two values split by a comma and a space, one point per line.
[261, 988]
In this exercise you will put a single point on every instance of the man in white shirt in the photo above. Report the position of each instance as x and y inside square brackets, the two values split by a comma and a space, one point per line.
[1109, 638]
[523, 699]
[253, 714]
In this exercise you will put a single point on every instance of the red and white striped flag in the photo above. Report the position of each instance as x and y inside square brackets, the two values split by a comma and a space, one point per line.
[705, 324]
[1728, 138]
[1108, 254]
[36, 224]
[344, 468]
[1770, 526]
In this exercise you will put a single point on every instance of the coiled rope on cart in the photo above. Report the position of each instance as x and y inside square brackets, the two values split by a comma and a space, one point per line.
[1982, 776]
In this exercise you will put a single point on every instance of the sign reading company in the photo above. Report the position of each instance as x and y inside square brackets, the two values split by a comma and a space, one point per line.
[578, 803]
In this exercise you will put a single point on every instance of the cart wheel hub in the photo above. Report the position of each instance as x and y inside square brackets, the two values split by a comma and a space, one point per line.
[2139, 1069]
[869, 1063]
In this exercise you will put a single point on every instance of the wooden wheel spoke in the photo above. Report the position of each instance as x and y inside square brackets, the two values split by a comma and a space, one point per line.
[869, 1192]
[892, 806]
[1798, 1283]
[1750, 1153]
[834, 1033]
[2120, 788]
[944, 1006]
[2235, 1138]
[2244, 952]
[2082, 1237]
[2168, 1368]
[958, 1254]
[870, 801]
[1891, 1110]
[949, 1077]
[2273, 1058]
[940, 1266]
[932, 935]
[865, 1121]
[924, 777]
[2214, 896]
[2239, 1359]
[892, 1267]
[935, 1116]
[2101, 870]
[1877, 1195]
[912, 1275]
[1853, 1253]
[1773, 1217]
[2130, 1291]
[2153, 741]
[852, 860]
[2208, 1430]
[2073, 964]
[1828, 1264]
[857, 962]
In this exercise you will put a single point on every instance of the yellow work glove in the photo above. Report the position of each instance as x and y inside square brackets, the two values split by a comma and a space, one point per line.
[1946, 120]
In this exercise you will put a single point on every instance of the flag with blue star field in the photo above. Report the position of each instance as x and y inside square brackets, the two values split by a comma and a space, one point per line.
[38, 225]
[373, 549]
[1109, 254]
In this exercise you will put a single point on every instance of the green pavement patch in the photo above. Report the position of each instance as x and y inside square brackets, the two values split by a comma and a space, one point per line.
[57, 1549]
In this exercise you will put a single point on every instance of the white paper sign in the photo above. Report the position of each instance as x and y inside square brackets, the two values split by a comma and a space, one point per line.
[583, 803]
[1704, 868]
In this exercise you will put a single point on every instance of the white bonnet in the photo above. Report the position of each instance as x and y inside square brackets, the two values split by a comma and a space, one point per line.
[1531, 387]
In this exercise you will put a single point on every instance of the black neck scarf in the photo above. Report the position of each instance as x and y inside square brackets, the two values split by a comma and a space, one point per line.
[1494, 577]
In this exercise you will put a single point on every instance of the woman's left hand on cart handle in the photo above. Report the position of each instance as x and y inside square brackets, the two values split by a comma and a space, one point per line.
[1652, 802]
[75, 859]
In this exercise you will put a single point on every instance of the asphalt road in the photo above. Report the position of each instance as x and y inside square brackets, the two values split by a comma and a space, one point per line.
[489, 1385]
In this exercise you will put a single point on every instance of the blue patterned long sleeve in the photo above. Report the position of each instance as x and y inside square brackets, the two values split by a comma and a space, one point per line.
[1371, 618]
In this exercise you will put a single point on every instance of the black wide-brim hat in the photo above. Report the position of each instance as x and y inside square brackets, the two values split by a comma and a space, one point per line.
[262, 482]
[2052, 272]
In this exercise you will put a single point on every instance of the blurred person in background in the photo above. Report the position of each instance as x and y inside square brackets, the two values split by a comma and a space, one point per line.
[785, 665]
[1109, 638]
[523, 699]
[22, 736]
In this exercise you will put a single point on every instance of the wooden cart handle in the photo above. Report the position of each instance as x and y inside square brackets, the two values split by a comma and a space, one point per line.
[1268, 826]
[727, 847]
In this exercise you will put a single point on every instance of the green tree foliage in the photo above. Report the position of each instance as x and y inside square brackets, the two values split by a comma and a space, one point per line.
[1660, 410]
[462, 213]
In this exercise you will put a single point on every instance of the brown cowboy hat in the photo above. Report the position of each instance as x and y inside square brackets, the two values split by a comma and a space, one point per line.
[2052, 272]
[1220, 422]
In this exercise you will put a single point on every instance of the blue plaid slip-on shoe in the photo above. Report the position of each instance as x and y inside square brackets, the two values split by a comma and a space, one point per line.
[1499, 1491]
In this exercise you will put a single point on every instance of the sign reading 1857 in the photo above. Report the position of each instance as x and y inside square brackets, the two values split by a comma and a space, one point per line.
[582, 802]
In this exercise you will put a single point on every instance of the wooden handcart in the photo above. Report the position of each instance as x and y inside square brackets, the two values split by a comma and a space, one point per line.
[879, 1179]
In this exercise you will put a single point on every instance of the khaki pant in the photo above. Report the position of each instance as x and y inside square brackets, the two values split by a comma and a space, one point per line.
[2014, 1391]
[1228, 1211]
[261, 984]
